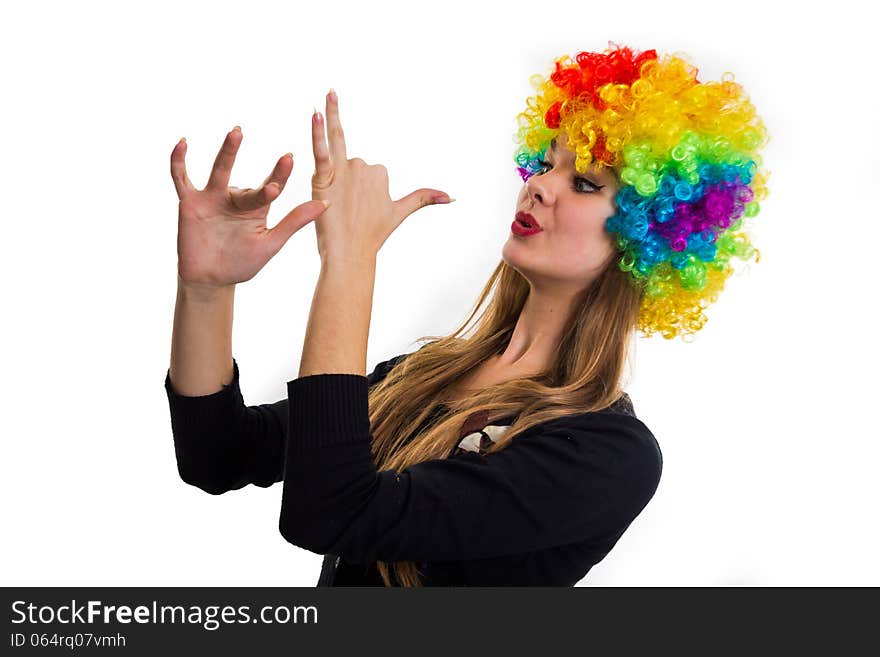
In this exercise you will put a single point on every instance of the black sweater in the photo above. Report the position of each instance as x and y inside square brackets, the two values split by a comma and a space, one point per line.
[541, 512]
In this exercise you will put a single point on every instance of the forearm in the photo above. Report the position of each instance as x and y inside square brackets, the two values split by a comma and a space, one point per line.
[201, 341]
[339, 319]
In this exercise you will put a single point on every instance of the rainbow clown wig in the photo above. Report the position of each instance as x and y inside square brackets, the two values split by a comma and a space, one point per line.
[685, 153]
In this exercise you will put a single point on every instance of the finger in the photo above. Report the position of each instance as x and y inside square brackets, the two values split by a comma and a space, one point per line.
[273, 185]
[225, 159]
[420, 198]
[293, 221]
[281, 172]
[178, 169]
[251, 199]
[323, 166]
[335, 135]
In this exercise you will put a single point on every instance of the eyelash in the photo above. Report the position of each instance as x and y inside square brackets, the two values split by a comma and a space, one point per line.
[595, 188]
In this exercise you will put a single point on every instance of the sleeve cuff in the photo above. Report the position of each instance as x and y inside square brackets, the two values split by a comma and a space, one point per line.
[328, 409]
[203, 410]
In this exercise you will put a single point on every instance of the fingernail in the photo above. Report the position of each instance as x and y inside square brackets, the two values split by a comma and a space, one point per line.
[290, 155]
[333, 97]
[238, 127]
[326, 203]
[442, 199]
[316, 117]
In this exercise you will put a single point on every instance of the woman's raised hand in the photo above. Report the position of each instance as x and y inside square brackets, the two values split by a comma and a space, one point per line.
[222, 237]
[361, 215]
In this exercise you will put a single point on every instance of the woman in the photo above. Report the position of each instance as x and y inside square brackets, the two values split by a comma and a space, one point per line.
[507, 454]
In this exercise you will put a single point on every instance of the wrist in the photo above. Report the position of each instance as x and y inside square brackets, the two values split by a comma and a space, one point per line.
[201, 293]
[348, 259]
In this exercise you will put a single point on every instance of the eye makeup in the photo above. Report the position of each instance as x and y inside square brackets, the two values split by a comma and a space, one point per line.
[595, 187]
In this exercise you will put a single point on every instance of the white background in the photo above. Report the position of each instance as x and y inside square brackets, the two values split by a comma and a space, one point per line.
[765, 421]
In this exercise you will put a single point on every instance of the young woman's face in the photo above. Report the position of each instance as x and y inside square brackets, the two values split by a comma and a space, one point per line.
[571, 208]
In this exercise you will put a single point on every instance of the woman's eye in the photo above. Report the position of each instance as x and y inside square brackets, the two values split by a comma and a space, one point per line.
[588, 186]
[580, 184]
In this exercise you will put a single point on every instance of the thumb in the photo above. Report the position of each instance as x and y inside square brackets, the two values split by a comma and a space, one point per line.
[294, 220]
[405, 206]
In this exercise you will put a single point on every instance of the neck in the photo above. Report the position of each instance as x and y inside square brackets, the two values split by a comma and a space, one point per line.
[538, 331]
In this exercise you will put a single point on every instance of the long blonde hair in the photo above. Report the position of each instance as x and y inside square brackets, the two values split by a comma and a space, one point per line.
[585, 376]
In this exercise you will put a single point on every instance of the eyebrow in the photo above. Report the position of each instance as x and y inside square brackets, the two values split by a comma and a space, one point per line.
[552, 149]
[595, 175]
[592, 174]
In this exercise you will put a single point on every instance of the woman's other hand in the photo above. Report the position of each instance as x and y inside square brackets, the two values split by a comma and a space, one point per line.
[222, 237]
[361, 214]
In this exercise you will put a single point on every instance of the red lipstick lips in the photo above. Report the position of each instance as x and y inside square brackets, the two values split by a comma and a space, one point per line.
[524, 225]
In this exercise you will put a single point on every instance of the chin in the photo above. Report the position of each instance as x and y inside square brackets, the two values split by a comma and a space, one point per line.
[515, 260]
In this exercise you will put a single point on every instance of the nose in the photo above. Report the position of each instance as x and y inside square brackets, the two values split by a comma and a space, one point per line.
[539, 190]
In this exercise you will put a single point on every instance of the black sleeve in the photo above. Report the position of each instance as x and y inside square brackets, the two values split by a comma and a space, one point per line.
[222, 445]
[565, 481]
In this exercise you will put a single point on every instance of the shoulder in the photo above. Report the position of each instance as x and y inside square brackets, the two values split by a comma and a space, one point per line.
[616, 447]
[623, 405]
[617, 429]
[384, 367]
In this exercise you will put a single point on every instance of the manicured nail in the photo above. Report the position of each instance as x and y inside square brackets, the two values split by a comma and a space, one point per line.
[290, 155]
[442, 199]
[333, 97]
[316, 117]
[326, 203]
[238, 127]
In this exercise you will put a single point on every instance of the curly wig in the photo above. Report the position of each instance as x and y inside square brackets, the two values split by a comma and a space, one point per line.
[685, 153]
